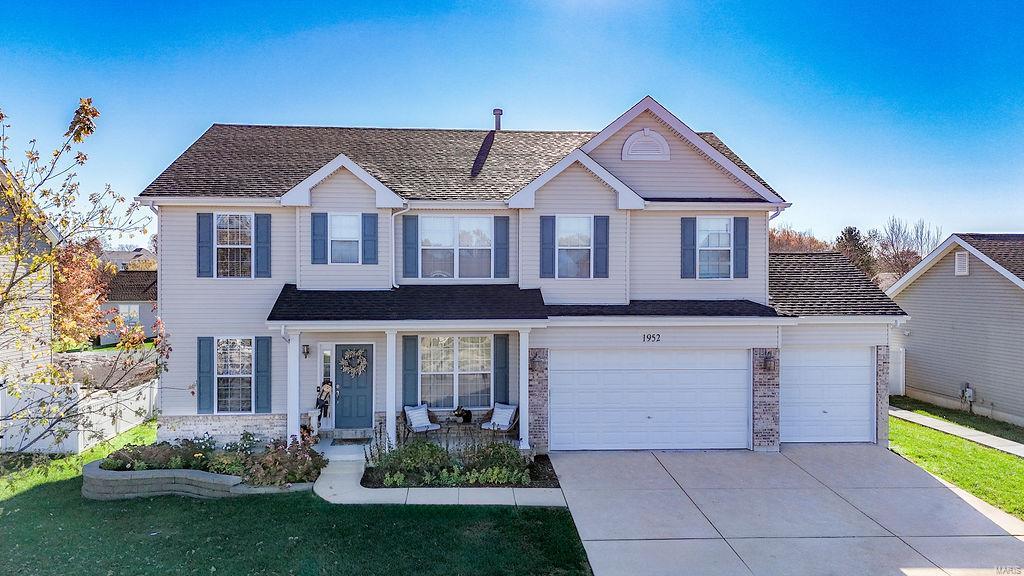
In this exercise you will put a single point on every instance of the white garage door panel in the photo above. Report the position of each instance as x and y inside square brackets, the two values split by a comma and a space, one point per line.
[609, 399]
[827, 394]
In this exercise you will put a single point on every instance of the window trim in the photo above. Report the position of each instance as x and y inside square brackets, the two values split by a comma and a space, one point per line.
[252, 246]
[217, 375]
[127, 318]
[454, 248]
[967, 263]
[359, 239]
[455, 369]
[558, 218]
[732, 246]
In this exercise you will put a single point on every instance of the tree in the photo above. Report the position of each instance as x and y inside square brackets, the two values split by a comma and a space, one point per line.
[153, 243]
[900, 247]
[79, 291]
[44, 215]
[857, 248]
[785, 239]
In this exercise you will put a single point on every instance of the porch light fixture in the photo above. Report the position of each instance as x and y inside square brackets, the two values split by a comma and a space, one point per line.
[305, 350]
[766, 361]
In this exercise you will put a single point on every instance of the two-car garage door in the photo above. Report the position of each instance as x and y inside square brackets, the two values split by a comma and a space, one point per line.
[612, 399]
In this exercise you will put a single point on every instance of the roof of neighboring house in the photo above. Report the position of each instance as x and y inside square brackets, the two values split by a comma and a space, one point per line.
[1007, 250]
[410, 302]
[417, 164]
[666, 308]
[132, 286]
[121, 257]
[824, 284]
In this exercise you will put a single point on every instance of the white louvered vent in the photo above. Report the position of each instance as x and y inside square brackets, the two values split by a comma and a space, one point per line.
[646, 144]
[961, 263]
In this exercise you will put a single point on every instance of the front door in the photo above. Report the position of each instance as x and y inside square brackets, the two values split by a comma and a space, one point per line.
[353, 384]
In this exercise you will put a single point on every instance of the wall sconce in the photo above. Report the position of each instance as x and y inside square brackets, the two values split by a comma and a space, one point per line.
[305, 350]
[766, 361]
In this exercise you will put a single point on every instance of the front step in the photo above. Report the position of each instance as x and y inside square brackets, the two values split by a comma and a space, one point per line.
[347, 434]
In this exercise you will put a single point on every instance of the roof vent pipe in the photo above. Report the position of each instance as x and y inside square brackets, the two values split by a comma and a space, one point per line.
[497, 118]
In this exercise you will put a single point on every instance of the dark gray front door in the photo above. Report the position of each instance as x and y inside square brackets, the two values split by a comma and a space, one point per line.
[354, 405]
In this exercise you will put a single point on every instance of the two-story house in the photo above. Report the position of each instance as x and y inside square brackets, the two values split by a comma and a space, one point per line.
[615, 285]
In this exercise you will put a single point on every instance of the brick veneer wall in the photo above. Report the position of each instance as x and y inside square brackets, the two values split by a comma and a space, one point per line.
[766, 399]
[538, 390]
[223, 427]
[882, 395]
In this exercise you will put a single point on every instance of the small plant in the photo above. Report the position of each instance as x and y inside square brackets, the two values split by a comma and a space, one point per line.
[394, 480]
[231, 463]
[247, 443]
[176, 463]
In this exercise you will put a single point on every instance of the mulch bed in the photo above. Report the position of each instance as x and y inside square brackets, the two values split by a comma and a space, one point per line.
[542, 475]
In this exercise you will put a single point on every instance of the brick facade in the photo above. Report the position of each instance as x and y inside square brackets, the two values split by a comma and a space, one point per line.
[223, 427]
[882, 395]
[539, 399]
[765, 370]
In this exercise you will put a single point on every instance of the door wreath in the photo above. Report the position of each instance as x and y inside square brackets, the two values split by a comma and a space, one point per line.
[353, 362]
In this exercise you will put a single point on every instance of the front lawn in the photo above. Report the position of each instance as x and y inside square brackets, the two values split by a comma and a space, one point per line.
[994, 476]
[980, 423]
[47, 528]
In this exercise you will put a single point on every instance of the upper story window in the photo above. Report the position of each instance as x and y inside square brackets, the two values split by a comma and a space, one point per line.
[456, 247]
[346, 232]
[234, 245]
[455, 371]
[235, 390]
[714, 247]
[646, 144]
[574, 236]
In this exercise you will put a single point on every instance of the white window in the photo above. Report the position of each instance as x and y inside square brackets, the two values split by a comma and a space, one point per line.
[574, 240]
[455, 371]
[646, 144]
[346, 234]
[234, 245]
[235, 390]
[456, 247]
[130, 313]
[961, 264]
[714, 247]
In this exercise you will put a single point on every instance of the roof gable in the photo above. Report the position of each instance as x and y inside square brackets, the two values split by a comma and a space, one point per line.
[626, 198]
[1004, 253]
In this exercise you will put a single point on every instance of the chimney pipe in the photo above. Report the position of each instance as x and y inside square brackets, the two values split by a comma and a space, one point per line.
[497, 118]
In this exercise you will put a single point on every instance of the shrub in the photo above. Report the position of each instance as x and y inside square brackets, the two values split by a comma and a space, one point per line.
[417, 457]
[232, 463]
[394, 480]
[284, 463]
[247, 443]
[498, 455]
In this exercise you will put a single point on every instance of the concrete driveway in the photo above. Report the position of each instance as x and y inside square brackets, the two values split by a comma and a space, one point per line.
[814, 509]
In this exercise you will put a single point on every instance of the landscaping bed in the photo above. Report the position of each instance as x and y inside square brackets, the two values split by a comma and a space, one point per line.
[420, 463]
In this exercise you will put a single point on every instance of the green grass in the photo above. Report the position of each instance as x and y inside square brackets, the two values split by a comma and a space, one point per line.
[980, 423]
[994, 476]
[47, 528]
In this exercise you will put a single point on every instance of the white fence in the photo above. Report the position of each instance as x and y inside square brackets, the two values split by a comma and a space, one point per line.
[897, 371]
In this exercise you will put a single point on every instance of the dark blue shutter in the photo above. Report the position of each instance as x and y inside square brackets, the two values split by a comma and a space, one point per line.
[263, 354]
[740, 246]
[501, 368]
[410, 246]
[204, 245]
[410, 370]
[600, 246]
[262, 246]
[370, 238]
[547, 246]
[501, 246]
[204, 375]
[318, 237]
[688, 248]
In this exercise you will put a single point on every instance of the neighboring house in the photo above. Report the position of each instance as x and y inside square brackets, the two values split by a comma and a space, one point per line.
[966, 302]
[615, 285]
[135, 259]
[132, 294]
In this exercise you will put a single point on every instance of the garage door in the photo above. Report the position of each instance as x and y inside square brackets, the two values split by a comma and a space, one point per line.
[827, 394]
[619, 399]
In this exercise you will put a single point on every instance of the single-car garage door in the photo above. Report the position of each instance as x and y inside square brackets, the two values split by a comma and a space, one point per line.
[827, 394]
[618, 399]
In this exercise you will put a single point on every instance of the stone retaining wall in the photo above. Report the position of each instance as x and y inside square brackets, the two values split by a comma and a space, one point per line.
[99, 484]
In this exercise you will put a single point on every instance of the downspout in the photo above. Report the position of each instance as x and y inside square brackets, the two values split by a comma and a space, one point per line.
[394, 268]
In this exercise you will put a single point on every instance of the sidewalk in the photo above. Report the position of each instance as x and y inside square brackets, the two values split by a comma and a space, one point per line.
[1008, 446]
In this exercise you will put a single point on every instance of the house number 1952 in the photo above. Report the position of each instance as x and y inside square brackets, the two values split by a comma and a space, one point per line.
[651, 337]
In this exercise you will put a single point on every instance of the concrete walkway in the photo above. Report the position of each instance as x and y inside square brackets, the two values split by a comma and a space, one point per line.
[1008, 446]
[813, 509]
[339, 484]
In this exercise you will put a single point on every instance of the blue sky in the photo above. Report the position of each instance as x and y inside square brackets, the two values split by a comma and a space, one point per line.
[852, 111]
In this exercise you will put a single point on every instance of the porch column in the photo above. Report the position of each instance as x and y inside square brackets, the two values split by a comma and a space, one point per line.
[524, 389]
[390, 420]
[293, 383]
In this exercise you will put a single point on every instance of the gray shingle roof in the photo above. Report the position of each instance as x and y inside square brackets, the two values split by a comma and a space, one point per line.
[1007, 250]
[824, 284]
[132, 286]
[417, 164]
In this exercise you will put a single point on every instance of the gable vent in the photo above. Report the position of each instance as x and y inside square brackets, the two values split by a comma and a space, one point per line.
[961, 263]
[646, 144]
